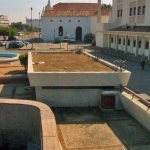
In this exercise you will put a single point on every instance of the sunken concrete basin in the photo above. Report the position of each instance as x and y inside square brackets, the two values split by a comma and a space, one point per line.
[27, 125]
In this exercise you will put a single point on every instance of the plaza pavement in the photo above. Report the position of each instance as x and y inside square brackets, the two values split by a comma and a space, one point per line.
[140, 80]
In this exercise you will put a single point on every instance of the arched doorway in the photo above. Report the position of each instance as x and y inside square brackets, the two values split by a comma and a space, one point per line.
[60, 31]
[78, 34]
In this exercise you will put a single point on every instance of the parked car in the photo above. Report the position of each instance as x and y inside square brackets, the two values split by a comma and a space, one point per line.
[13, 38]
[72, 40]
[66, 39]
[2, 43]
[15, 44]
[26, 42]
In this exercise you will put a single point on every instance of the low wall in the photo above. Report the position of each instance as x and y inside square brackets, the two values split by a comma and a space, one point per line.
[113, 78]
[26, 124]
[136, 109]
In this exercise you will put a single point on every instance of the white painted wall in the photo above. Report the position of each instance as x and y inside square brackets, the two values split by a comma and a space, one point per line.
[136, 109]
[49, 27]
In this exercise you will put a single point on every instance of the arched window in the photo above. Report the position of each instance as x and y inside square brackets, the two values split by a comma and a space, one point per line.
[60, 31]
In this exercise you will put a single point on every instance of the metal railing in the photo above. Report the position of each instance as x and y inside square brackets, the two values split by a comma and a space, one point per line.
[142, 100]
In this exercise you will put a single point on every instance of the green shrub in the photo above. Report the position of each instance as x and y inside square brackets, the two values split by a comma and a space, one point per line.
[88, 38]
[24, 60]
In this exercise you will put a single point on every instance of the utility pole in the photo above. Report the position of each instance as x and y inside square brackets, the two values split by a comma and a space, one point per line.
[39, 25]
[32, 27]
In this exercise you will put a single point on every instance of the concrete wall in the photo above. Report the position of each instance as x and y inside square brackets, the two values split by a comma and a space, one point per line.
[25, 122]
[69, 97]
[136, 109]
[19, 125]
[50, 26]
[74, 97]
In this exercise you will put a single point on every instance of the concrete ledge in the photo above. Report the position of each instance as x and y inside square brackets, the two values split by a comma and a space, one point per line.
[48, 136]
[136, 109]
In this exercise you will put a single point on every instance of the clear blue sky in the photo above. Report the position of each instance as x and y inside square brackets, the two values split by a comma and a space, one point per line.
[17, 10]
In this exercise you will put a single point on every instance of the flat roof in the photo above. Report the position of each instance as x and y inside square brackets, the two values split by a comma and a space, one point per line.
[66, 62]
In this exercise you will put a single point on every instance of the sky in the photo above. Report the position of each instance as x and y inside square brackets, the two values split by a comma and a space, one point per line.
[18, 10]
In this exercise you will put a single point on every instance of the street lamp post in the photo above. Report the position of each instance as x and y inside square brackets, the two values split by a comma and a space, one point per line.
[39, 25]
[31, 27]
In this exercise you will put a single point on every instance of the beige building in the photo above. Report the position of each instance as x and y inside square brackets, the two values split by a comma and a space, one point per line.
[129, 28]
[4, 20]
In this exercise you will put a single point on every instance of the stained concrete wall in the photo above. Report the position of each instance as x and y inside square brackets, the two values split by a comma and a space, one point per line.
[136, 109]
[19, 125]
[74, 97]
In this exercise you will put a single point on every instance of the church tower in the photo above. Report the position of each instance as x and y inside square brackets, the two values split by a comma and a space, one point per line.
[48, 6]
[99, 12]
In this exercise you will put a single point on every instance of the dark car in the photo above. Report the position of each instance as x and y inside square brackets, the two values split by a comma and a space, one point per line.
[15, 44]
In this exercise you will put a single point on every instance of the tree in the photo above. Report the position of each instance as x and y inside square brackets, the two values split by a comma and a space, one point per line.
[88, 38]
[105, 6]
[24, 60]
[19, 26]
[7, 31]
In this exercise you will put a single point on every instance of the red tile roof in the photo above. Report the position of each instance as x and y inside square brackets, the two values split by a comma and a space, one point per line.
[76, 6]
[75, 9]
[69, 13]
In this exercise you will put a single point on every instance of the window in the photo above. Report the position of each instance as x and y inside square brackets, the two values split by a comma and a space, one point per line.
[112, 40]
[69, 20]
[119, 41]
[130, 12]
[134, 43]
[51, 20]
[60, 31]
[140, 44]
[146, 45]
[60, 20]
[121, 12]
[78, 20]
[128, 42]
[143, 10]
[124, 41]
[139, 10]
[134, 11]
[118, 13]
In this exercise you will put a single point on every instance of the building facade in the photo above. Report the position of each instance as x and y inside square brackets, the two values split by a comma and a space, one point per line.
[4, 20]
[35, 22]
[129, 28]
[131, 12]
[71, 19]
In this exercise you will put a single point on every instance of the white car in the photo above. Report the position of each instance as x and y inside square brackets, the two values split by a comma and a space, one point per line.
[2, 43]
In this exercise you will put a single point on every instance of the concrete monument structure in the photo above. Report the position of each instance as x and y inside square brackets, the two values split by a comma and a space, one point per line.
[66, 79]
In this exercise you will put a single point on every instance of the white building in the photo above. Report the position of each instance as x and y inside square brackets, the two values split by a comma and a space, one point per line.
[71, 19]
[35, 22]
[4, 20]
[129, 28]
[131, 12]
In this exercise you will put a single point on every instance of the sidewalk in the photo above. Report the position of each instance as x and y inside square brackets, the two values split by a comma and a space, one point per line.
[140, 80]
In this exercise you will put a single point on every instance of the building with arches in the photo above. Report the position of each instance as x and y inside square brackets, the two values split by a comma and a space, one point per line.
[71, 19]
[129, 30]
